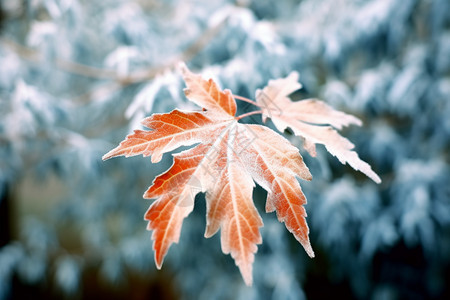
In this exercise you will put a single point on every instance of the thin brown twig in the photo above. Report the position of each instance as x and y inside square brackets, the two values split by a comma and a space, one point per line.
[99, 73]
[63, 64]
[85, 70]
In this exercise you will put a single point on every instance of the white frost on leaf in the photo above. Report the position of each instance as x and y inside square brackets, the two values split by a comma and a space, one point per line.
[311, 119]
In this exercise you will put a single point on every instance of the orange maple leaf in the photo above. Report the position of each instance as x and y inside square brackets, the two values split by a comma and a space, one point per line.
[228, 158]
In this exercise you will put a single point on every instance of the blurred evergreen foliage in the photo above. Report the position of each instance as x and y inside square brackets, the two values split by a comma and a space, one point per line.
[77, 76]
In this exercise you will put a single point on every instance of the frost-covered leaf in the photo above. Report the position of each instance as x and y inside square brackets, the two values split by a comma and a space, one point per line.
[222, 165]
[206, 94]
[311, 119]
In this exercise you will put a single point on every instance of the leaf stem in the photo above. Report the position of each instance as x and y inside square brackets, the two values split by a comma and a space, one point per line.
[246, 100]
[255, 112]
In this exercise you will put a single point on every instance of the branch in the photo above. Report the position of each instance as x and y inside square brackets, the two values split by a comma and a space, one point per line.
[65, 65]
[99, 73]
[119, 81]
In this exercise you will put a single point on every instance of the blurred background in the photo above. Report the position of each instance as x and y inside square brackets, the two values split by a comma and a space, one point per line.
[77, 76]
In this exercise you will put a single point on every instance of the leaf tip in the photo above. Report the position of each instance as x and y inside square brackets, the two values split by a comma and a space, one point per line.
[158, 263]
[294, 76]
[366, 169]
[211, 229]
[109, 155]
[246, 273]
[208, 233]
[156, 157]
[376, 178]
[357, 121]
[159, 257]
[309, 250]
